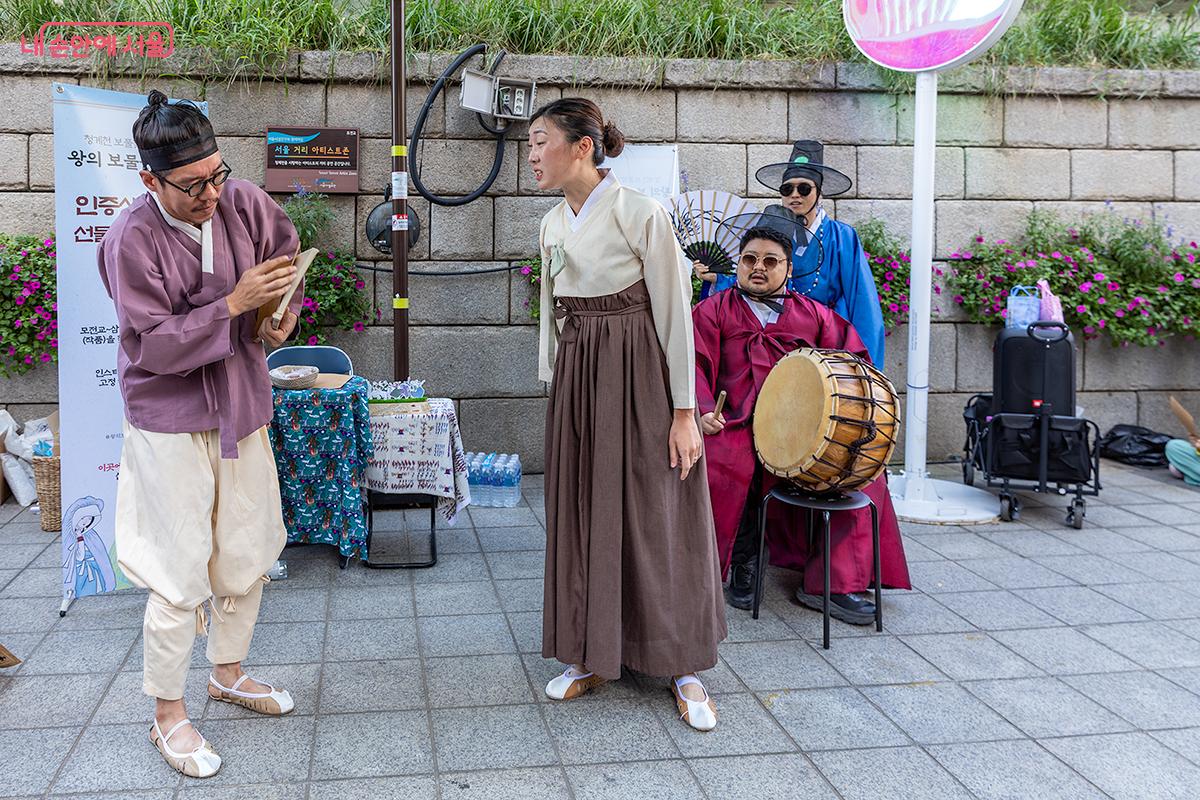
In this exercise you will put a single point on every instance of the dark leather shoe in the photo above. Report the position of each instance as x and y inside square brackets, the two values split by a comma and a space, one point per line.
[846, 607]
[740, 592]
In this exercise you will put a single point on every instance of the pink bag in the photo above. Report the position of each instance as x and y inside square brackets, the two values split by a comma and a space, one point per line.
[1051, 310]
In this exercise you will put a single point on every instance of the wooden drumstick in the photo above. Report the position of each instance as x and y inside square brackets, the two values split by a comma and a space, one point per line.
[720, 403]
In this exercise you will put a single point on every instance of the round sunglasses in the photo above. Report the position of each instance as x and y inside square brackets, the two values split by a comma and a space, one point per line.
[750, 261]
[804, 189]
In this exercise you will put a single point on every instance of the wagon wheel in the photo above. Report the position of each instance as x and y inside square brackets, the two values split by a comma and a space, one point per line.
[1076, 512]
[968, 469]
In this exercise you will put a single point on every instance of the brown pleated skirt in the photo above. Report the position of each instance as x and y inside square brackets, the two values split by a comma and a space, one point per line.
[632, 574]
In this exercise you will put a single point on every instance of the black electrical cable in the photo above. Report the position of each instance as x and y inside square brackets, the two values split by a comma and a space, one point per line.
[499, 132]
[370, 268]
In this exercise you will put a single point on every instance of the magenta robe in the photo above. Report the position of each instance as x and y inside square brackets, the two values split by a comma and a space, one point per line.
[185, 366]
[735, 353]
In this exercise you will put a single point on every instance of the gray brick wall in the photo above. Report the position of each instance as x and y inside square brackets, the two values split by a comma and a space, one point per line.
[1060, 139]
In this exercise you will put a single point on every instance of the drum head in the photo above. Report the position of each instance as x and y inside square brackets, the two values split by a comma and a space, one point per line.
[791, 416]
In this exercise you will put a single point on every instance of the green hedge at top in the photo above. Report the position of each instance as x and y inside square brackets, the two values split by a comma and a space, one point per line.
[242, 33]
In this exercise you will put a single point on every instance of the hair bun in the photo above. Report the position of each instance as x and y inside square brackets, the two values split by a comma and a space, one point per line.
[614, 140]
[156, 98]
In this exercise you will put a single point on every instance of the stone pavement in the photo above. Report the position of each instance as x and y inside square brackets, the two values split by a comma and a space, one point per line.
[1030, 661]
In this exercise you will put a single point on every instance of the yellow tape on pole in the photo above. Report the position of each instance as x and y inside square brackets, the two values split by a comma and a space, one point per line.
[399, 150]
[399, 302]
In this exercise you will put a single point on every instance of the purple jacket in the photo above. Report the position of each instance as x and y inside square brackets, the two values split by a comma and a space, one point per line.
[185, 366]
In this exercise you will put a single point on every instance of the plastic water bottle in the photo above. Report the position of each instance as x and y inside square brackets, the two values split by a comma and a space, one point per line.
[509, 478]
[489, 480]
[516, 465]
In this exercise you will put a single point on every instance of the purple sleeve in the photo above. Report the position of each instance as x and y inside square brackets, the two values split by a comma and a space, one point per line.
[272, 230]
[153, 337]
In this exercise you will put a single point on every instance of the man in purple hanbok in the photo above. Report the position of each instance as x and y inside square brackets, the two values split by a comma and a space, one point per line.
[198, 514]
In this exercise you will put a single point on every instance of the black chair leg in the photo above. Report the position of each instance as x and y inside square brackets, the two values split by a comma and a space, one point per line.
[762, 551]
[878, 569]
[825, 559]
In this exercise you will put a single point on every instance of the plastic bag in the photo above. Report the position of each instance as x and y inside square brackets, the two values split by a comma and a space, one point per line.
[36, 430]
[1133, 444]
[1051, 306]
[1024, 307]
[19, 475]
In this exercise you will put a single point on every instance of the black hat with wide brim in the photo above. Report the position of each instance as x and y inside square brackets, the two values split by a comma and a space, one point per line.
[806, 162]
[774, 217]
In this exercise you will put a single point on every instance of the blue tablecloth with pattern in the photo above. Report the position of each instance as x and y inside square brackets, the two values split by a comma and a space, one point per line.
[322, 441]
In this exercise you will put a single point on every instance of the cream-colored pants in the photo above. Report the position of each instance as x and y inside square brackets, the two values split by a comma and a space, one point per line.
[191, 526]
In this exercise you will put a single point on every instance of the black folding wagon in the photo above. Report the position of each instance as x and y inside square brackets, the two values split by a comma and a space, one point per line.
[1025, 435]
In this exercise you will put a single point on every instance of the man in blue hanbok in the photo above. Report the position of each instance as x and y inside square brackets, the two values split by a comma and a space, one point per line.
[831, 266]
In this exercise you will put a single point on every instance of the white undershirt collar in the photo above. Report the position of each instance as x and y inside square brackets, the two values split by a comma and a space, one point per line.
[201, 236]
[766, 315]
[574, 221]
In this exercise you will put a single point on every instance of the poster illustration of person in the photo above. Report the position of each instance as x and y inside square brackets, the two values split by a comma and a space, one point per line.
[87, 568]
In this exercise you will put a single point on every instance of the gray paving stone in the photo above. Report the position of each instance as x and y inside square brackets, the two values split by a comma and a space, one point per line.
[945, 576]
[1156, 600]
[1015, 572]
[1112, 517]
[294, 605]
[162, 794]
[513, 784]
[718, 680]
[527, 630]
[30, 758]
[51, 701]
[125, 609]
[445, 599]
[1063, 651]
[1091, 569]
[75, 652]
[28, 615]
[521, 516]
[541, 670]
[1184, 742]
[1163, 566]
[803, 621]
[117, 757]
[203, 790]
[371, 686]
[1188, 677]
[920, 613]
[1080, 605]
[744, 728]
[609, 730]
[1003, 770]
[769, 626]
[880, 659]
[963, 545]
[418, 787]
[454, 567]
[494, 540]
[1031, 543]
[521, 739]
[524, 595]
[970, 656]
[460, 539]
[478, 634]
[477, 681]
[991, 611]
[308, 573]
[31, 582]
[18, 556]
[934, 713]
[1147, 700]
[515, 565]
[887, 773]
[1163, 537]
[638, 781]
[373, 640]
[1150, 644]
[125, 702]
[914, 551]
[779, 665]
[357, 602]
[757, 777]
[1129, 766]
[1101, 542]
[261, 750]
[832, 719]
[1046, 707]
[378, 743]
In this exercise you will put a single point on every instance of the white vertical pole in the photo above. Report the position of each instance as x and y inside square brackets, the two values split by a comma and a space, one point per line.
[916, 415]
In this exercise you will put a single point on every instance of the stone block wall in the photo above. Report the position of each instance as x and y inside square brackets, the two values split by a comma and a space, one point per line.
[1009, 142]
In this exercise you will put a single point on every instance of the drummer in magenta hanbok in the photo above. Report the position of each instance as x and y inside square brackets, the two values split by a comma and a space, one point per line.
[740, 335]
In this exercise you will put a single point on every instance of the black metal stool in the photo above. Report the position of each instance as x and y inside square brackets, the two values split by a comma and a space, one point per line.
[381, 501]
[795, 496]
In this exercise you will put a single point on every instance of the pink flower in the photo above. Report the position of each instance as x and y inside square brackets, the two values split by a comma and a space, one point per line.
[45, 358]
[889, 276]
[20, 301]
[1056, 254]
[311, 320]
[893, 307]
[1088, 329]
[1102, 323]
[28, 359]
[48, 243]
[958, 298]
[1162, 289]
[1081, 309]
[1113, 286]
[1099, 276]
[1118, 313]
[17, 323]
[312, 340]
[359, 327]
[1101, 300]
[359, 285]
[1179, 277]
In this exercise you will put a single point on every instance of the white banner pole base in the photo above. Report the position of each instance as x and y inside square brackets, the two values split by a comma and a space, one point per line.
[920, 498]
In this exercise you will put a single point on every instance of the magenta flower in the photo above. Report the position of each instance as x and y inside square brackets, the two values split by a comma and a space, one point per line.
[1162, 290]
[28, 359]
[1088, 329]
[359, 285]
[1081, 309]
[1056, 254]
[19, 301]
[1113, 286]
[359, 327]
[1099, 276]
[1086, 286]
[958, 298]
[48, 243]
[312, 340]
[1101, 300]
[45, 358]
[1118, 312]
[1179, 277]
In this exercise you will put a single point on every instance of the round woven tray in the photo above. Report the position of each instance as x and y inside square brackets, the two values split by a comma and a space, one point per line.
[303, 382]
[46, 472]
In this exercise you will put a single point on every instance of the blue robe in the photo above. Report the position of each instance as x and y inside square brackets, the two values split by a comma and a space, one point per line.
[845, 283]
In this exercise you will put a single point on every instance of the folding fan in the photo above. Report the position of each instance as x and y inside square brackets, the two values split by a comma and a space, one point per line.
[696, 217]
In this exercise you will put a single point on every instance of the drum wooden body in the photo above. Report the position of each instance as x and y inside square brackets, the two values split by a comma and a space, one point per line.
[826, 420]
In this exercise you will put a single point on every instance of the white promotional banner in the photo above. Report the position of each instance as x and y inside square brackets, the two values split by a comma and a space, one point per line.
[652, 169]
[96, 169]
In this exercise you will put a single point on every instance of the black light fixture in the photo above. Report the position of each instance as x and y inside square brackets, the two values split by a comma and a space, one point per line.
[379, 225]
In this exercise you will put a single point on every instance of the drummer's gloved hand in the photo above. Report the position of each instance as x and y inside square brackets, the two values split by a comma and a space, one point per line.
[712, 423]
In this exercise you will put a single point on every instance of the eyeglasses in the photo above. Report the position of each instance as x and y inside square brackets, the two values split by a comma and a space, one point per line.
[788, 189]
[196, 189]
[750, 261]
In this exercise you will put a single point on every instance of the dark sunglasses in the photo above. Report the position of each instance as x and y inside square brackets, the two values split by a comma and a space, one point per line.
[196, 189]
[750, 261]
[805, 189]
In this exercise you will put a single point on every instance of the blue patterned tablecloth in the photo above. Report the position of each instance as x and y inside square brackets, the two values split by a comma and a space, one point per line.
[322, 441]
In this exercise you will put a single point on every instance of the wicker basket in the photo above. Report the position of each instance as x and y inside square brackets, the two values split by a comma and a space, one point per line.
[46, 476]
